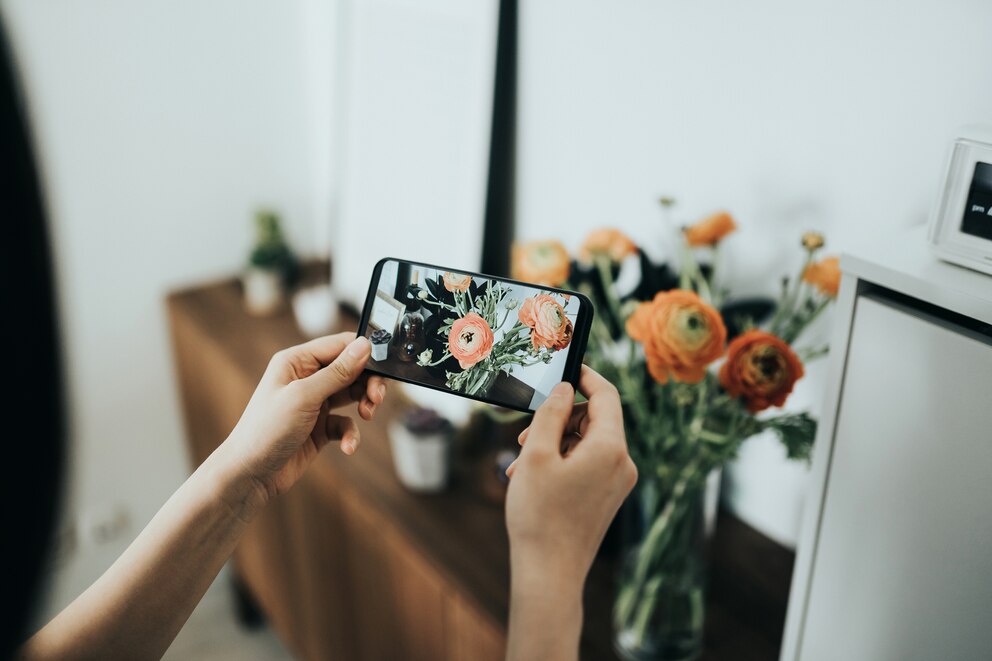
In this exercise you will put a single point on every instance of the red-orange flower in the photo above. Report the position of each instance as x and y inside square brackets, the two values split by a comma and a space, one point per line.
[470, 340]
[681, 335]
[824, 275]
[549, 327]
[456, 281]
[710, 230]
[607, 241]
[761, 369]
[541, 262]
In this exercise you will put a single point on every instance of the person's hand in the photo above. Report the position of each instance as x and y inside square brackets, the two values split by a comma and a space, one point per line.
[289, 419]
[571, 477]
[565, 488]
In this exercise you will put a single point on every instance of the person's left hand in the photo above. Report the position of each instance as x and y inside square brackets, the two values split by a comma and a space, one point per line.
[289, 419]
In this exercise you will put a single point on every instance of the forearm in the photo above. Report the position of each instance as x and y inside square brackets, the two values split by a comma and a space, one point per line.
[545, 611]
[138, 606]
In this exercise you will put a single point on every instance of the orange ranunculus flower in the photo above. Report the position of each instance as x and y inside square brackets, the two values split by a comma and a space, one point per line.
[470, 340]
[681, 335]
[456, 281]
[761, 369]
[710, 230]
[824, 275]
[541, 262]
[549, 327]
[607, 241]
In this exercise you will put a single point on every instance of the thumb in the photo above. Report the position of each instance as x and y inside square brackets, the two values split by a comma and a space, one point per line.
[341, 373]
[548, 425]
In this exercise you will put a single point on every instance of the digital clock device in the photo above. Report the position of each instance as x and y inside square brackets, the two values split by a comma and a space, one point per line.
[961, 223]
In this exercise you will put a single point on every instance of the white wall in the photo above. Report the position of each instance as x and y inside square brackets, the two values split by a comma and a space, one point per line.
[831, 115]
[161, 125]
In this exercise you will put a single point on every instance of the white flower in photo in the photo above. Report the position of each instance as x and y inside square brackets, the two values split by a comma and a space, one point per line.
[425, 357]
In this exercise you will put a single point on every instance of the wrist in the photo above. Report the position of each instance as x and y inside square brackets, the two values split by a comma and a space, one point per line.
[232, 485]
[545, 608]
[547, 582]
[559, 569]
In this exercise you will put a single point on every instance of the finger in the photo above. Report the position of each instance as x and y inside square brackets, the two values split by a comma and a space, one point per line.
[326, 349]
[341, 373]
[603, 408]
[368, 387]
[372, 395]
[578, 423]
[376, 389]
[548, 425]
[568, 442]
[343, 429]
[304, 360]
[512, 467]
[352, 393]
[319, 435]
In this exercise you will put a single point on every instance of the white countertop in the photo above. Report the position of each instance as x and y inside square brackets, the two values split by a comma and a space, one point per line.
[904, 263]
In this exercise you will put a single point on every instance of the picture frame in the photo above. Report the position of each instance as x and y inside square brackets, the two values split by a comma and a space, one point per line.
[386, 312]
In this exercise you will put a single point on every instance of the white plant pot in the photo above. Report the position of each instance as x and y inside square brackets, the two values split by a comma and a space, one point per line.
[380, 351]
[316, 310]
[263, 291]
[421, 461]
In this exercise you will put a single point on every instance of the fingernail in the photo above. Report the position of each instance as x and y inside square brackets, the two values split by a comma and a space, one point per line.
[348, 446]
[563, 389]
[382, 390]
[358, 347]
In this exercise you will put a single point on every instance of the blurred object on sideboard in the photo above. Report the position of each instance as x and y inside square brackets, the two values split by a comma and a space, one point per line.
[272, 266]
[316, 309]
[421, 444]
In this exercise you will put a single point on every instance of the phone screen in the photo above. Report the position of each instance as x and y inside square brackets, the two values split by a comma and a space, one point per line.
[482, 337]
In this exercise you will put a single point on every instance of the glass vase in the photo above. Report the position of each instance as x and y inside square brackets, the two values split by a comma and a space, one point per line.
[486, 380]
[659, 609]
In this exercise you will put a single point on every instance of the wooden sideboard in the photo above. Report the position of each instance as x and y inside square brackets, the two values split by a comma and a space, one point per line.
[350, 565]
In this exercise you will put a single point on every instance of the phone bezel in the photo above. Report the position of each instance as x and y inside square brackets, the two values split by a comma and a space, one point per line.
[573, 362]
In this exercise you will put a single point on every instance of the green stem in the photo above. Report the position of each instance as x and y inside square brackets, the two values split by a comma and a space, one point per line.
[440, 360]
[603, 265]
[788, 303]
[431, 301]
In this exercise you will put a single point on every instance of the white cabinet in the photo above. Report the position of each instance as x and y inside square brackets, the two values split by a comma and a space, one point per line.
[895, 558]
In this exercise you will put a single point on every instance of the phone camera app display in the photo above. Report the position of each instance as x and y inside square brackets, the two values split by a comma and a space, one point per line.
[486, 338]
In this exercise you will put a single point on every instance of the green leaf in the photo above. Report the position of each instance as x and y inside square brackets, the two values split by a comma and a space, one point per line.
[797, 431]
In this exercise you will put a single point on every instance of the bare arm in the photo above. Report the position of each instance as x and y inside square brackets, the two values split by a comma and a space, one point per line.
[137, 607]
[565, 488]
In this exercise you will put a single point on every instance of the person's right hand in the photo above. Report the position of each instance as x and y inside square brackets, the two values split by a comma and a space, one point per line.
[559, 506]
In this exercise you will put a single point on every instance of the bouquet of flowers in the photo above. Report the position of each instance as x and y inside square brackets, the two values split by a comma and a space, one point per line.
[488, 331]
[699, 372]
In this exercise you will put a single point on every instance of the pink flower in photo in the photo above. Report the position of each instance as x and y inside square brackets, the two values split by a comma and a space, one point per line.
[470, 339]
[456, 281]
[549, 327]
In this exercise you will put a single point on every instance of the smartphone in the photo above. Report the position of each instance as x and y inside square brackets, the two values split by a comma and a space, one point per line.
[478, 336]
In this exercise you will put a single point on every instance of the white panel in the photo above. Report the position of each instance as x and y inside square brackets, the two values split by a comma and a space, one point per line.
[903, 569]
[418, 108]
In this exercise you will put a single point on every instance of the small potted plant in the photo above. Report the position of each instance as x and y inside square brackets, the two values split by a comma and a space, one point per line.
[271, 267]
[421, 446]
[380, 343]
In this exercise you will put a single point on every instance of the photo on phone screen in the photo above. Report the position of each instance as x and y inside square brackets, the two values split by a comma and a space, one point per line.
[486, 338]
